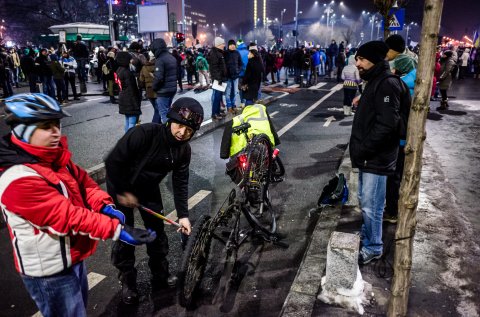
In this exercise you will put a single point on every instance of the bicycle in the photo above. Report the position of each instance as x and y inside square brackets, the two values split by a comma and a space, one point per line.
[249, 198]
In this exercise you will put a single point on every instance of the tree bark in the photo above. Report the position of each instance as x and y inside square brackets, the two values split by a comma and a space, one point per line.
[413, 160]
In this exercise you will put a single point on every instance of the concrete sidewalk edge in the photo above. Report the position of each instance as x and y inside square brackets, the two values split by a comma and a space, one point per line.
[97, 172]
[306, 285]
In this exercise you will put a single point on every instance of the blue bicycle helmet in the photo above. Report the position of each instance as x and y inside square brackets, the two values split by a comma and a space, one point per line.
[32, 108]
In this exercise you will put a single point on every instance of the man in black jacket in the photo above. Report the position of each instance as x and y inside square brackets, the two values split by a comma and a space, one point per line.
[374, 141]
[218, 72]
[234, 64]
[135, 167]
[165, 77]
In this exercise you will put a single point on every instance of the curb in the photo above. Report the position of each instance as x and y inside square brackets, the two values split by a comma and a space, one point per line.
[98, 173]
[301, 298]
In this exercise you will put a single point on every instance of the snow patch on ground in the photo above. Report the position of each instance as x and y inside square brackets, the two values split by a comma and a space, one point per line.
[352, 299]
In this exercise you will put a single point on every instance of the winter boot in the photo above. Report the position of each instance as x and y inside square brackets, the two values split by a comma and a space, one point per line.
[113, 100]
[129, 288]
[443, 105]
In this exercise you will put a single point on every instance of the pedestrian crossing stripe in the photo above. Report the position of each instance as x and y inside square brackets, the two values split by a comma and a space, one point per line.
[394, 21]
[192, 202]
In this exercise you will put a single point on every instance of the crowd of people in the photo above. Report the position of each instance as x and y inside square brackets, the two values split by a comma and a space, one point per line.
[66, 211]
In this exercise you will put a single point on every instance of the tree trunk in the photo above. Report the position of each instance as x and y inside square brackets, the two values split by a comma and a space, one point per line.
[413, 160]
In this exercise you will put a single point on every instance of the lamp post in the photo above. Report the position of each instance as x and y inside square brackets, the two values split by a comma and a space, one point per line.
[378, 29]
[215, 29]
[328, 11]
[183, 17]
[372, 20]
[296, 23]
[110, 23]
[407, 28]
[280, 31]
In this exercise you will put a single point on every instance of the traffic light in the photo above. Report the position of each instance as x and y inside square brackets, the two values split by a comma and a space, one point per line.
[180, 37]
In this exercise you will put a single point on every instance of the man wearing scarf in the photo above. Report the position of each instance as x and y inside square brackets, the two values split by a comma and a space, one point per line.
[374, 142]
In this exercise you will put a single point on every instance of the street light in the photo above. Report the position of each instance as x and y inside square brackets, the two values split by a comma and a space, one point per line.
[296, 23]
[280, 31]
[215, 29]
[328, 11]
[407, 28]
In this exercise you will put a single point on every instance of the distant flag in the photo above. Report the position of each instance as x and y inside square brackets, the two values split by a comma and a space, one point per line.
[476, 39]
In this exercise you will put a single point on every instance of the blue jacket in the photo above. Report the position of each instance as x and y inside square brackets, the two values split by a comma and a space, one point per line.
[316, 59]
[409, 80]
[242, 49]
[324, 57]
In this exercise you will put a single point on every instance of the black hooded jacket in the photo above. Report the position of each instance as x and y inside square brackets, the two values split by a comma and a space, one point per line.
[165, 81]
[129, 99]
[375, 137]
[142, 158]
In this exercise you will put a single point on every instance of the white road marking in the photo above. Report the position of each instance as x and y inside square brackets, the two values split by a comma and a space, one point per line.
[206, 122]
[274, 85]
[317, 86]
[93, 279]
[306, 112]
[95, 99]
[329, 120]
[192, 202]
[294, 86]
[274, 113]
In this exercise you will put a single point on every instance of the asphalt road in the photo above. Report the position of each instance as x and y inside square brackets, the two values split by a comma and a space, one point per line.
[311, 150]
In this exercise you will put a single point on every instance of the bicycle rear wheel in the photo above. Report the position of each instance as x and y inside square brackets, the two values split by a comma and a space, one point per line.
[259, 212]
[194, 261]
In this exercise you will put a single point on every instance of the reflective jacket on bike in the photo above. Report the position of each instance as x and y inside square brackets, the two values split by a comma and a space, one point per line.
[257, 116]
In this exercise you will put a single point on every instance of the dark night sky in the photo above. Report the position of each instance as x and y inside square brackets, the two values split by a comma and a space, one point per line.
[460, 17]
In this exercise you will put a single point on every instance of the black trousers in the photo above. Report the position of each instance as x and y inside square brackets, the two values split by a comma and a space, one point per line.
[393, 185]
[348, 95]
[123, 255]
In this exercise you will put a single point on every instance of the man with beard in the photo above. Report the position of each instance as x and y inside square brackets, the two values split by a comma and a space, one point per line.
[374, 141]
[140, 160]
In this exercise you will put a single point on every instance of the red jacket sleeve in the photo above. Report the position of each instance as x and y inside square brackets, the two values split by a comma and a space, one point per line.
[46, 209]
[94, 195]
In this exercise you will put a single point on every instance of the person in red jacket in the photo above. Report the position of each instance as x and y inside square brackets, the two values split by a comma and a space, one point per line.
[55, 213]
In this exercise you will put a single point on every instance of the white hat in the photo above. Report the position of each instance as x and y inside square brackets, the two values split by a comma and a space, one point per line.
[218, 41]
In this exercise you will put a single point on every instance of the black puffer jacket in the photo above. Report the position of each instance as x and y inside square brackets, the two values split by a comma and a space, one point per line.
[129, 99]
[218, 68]
[253, 78]
[142, 158]
[375, 136]
[165, 81]
[234, 64]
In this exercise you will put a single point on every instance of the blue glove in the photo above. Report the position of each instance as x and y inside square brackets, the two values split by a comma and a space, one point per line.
[113, 213]
[134, 236]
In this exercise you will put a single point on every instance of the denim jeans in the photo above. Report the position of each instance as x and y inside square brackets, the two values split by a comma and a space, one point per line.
[216, 98]
[371, 195]
[48, 86]
[156, 114]
[81, 69]
[278, 74]
[322, 68]
[64, 294]
[130, 121]
[231, 92]
[163, 105]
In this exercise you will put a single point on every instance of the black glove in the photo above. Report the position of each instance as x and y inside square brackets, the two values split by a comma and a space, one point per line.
[134, 236]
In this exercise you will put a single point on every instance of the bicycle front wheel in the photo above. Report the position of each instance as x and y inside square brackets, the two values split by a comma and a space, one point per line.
[194, 261]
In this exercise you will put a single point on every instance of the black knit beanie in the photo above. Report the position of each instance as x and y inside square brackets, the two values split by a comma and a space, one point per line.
[374, 51]
[230, 42]
[396, 42]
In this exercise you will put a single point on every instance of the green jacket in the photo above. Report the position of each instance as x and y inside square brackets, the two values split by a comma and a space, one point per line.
[201, 61]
